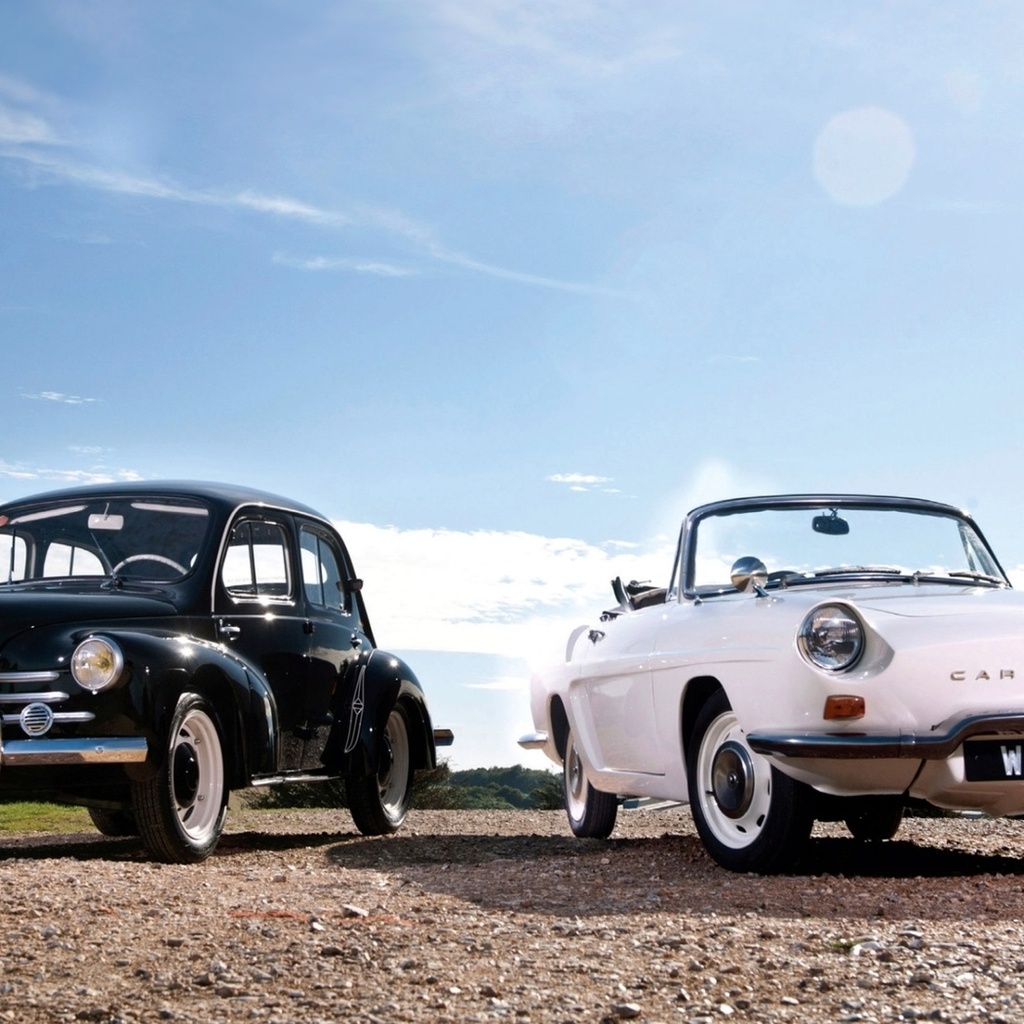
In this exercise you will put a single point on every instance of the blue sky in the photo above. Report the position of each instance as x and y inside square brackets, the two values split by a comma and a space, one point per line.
[506, 286]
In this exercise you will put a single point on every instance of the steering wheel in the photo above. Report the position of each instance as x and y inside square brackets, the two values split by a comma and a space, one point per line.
[162, 559]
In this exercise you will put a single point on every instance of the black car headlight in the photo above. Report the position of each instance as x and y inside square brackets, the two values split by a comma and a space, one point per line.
[97, 663]
[831, 637]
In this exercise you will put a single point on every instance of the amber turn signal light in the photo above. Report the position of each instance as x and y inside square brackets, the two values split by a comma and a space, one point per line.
[842, 705]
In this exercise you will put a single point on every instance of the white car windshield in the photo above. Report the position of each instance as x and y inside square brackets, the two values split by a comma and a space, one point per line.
[799, 545]
[130, 538]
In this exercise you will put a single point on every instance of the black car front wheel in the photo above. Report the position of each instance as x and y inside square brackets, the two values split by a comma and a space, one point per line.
[749, 815]
[380, 802]
[180, 811]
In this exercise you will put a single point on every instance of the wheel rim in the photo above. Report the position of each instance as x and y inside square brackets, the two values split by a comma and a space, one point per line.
[575, 783]
[197, 776]
[393, 775]
[734, 784]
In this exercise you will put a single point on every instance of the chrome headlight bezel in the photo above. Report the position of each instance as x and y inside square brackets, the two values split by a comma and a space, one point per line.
[97, 664]
[831, 638]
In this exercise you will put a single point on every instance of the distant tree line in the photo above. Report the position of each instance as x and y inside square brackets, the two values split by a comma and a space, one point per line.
[514, 788]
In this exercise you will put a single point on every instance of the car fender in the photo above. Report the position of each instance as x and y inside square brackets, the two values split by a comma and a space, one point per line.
[160, 666]
[378, 683]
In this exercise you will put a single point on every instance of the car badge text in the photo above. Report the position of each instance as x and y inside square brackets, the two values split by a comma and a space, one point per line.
[982, 676]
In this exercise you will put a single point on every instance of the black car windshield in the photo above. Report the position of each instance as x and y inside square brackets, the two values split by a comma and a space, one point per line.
[804, 545]
[143, 538]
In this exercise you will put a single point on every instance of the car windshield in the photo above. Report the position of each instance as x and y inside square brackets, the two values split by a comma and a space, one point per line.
[808, 544]
[141, 538]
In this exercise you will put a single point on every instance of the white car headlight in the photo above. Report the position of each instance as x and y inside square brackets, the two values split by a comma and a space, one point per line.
[97, 663]
[831, 637]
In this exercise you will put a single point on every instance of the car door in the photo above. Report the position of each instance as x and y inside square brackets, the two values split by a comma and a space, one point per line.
[339, 641]
[261, 614]
[612, 704]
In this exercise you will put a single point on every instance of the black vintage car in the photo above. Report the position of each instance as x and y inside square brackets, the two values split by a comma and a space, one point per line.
[162, 644]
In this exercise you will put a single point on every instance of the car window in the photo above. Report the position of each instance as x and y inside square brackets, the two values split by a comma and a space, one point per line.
[13, 557]
[321, 574]
[256, 563]
[71, 560]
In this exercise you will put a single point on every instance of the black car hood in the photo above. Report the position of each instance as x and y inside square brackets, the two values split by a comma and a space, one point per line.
[24, 608]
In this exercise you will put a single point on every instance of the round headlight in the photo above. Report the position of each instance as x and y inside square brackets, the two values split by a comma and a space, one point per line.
[831, 638]
[97, 663]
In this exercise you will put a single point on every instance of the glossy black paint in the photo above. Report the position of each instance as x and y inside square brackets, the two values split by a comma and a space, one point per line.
[299, 687]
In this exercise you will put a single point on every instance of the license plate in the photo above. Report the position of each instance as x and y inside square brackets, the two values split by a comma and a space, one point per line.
[994, 760]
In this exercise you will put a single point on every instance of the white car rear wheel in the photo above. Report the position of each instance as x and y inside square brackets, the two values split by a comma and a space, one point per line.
[591, 813]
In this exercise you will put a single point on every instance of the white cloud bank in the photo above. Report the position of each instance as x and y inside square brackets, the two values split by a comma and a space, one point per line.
[488, 592]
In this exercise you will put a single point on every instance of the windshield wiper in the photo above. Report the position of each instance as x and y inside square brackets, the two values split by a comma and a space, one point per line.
[981, 577]
[859, 570]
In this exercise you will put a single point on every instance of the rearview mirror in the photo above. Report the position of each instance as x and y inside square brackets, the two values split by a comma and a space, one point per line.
[102, 521]
[831, 525]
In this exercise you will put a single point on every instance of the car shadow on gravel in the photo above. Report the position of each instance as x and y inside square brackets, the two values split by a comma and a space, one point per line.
[665, 856]
[848, 857]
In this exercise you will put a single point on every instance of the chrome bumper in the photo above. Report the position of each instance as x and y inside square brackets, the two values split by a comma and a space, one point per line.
[938, 744]
[99, 750]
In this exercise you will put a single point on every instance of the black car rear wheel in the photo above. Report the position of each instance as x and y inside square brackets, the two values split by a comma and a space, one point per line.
[380, 802]
[180, 811]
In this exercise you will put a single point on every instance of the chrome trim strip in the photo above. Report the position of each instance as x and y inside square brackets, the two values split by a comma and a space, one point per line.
[29, 677]
[936, 746]
[50, 697]
[97, 750]
[58, 716]
[533, 741]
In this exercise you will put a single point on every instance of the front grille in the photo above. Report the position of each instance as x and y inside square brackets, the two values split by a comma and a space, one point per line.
[32, 711]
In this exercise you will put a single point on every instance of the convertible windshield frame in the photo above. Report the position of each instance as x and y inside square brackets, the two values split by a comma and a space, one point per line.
[972, 562]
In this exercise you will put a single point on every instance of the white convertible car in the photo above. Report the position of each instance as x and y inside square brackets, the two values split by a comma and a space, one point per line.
[821, 656]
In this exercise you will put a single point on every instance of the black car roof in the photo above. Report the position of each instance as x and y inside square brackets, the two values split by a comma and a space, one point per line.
[224, 496]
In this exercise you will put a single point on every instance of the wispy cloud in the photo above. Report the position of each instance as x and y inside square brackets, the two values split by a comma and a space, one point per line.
[583, 482]
[58, 396]
[28, 141]
[586, 38]
[67, 476]
[357, 266]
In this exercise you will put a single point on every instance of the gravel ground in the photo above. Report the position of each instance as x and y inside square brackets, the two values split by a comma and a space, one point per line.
[495, 916]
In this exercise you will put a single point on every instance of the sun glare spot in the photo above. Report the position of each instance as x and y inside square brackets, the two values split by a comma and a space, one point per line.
[864, 156]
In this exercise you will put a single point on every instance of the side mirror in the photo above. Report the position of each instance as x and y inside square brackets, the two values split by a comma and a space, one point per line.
[748, 573]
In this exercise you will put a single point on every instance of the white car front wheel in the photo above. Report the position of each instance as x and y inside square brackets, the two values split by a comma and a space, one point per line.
[749, 815]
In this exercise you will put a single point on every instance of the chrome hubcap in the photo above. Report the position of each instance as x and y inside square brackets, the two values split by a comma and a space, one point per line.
[732, 779]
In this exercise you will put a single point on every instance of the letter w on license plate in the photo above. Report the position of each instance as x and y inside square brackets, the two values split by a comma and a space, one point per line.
[994, 760]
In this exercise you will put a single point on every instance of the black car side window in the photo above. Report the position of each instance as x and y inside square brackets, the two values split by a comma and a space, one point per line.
[321, 574]
[256, 562]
